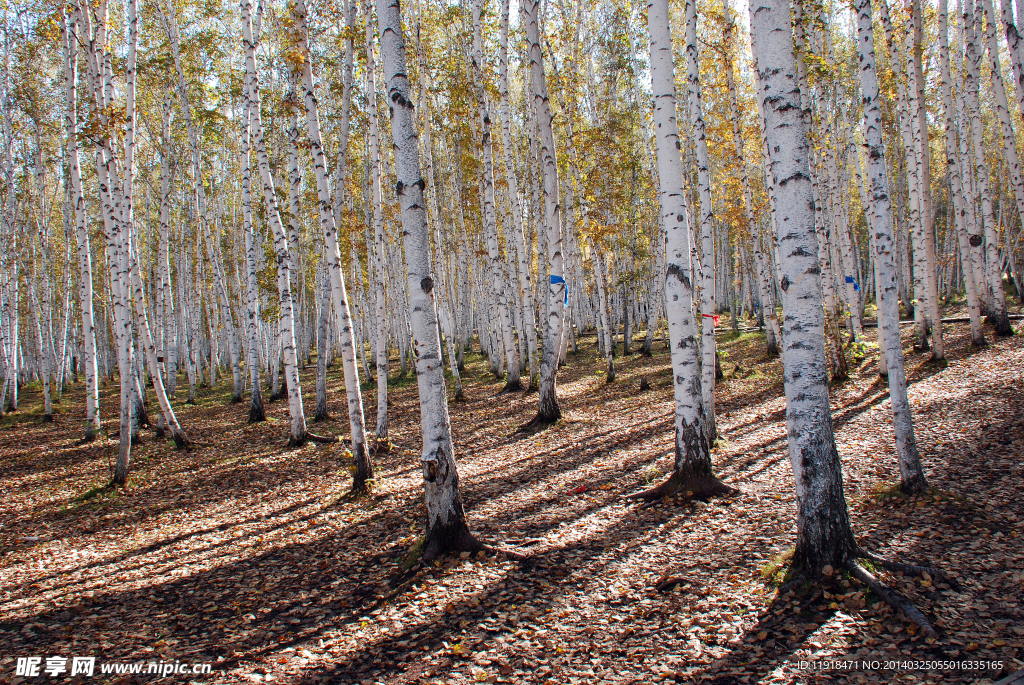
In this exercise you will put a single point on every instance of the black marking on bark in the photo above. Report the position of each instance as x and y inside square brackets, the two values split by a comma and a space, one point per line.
[675, 270]
[399, 188]
[784, 284]
[419, 182]
[427, 284]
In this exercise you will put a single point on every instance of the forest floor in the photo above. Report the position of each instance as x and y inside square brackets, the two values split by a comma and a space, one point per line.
[244, 554]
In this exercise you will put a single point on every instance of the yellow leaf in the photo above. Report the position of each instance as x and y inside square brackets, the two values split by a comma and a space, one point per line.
[762, 635]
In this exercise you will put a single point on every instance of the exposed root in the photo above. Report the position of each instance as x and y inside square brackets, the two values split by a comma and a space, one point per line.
[47, 418]
[236, 399]
[906, 569]
[891, 597]
[794, 583]
[702, 487]
[322, 439]
[382, 446]
[90, 435]
[668, 584]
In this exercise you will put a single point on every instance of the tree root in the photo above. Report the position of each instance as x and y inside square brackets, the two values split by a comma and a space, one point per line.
[891, 597]
[906, 569]
[322, 439]
[695, 486]
[794, 583]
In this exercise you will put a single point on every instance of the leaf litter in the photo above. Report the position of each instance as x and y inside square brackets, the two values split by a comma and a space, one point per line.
[244, 554]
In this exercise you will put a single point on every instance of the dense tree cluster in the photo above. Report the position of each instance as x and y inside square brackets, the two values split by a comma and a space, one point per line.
[201, 193]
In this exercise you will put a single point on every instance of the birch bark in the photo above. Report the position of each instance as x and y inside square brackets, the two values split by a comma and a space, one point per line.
[558, 289]
[490, 223]
[692, 473]
[824, 535]
[447, 529]
[955, 179]
[381, 442]
[85, 288]
[912, 479]
[343, 314]
[707, 218]
[287, 329]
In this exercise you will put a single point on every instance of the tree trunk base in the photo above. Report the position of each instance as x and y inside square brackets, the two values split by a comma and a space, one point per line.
[256, 413]
[1002, 325]
[236, 399]
[511, 386]
[539, 422]
[454, 538]
[914, 486]
[90, 435]
[47, 418]
[381, 446]
[321, 417]
[801, 572]
[694, 486]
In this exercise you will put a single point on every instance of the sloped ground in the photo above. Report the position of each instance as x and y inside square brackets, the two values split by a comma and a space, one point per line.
[240, 553]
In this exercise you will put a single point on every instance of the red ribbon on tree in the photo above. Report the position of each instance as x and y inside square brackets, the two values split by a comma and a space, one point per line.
[711, 316]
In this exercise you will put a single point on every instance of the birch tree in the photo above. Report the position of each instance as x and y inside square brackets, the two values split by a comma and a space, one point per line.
[557, 298]
[912, 479]
[825, 540]
[298, 433]
[692, 472]
[447, 529]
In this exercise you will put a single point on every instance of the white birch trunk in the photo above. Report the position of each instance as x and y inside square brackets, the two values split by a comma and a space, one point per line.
[993, 258]
[339, 294]
[380, 439]
[85, 289]
[490, 222]
[824, 536]
[287, 330]
[707, 218]
[912, 478]
[557, 291]
[693, 438]
[956, 184]
[447, 529]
